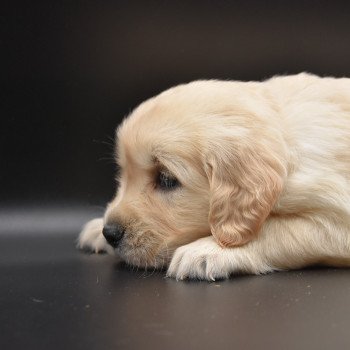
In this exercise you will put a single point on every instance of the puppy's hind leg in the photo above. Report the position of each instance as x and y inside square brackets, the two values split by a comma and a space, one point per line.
[92, 239]
[283, 243]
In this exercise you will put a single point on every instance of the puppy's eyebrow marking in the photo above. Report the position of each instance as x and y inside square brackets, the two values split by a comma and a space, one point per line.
[169, 167]
[157, 158]
[160, 164]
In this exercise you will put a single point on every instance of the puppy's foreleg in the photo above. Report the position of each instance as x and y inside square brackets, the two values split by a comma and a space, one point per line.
[283, 243]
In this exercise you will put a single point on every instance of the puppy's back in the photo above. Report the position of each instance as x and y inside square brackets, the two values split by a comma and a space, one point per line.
[315, 118]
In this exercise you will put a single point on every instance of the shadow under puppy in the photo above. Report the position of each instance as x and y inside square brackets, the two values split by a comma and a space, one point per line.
[221, 177]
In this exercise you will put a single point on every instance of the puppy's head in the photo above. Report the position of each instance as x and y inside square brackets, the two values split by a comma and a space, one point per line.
[193, 161]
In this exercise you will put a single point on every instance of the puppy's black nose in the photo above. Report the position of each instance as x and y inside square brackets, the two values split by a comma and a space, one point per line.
[113, 234]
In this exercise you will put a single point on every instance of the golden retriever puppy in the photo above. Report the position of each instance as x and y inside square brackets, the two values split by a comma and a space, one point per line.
[224, 177]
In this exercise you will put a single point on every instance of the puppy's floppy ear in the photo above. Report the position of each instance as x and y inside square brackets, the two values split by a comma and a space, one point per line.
[245, 181]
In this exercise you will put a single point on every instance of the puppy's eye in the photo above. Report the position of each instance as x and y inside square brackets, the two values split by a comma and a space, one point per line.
[166, 181]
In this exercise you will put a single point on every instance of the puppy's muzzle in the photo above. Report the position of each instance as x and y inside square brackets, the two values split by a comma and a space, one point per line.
[113, 234]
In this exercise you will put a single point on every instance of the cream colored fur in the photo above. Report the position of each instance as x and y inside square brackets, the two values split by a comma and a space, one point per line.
[264, 169]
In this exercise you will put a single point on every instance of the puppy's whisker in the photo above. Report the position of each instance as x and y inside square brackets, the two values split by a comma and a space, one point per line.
[144, 273]
[107, 160]
[154, 266]
[165, 256]
[111, 142]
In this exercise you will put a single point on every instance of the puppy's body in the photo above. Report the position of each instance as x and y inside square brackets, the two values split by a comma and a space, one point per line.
[262, 174]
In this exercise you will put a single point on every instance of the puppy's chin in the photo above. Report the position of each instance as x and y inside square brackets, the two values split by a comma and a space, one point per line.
[145, 250]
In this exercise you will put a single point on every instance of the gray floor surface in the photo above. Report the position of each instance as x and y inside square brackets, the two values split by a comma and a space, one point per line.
[55, 297]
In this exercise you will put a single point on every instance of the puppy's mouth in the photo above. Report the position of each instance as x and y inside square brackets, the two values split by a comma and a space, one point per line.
[144, 250]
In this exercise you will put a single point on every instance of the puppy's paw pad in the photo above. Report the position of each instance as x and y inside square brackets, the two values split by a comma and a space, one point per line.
[91, 238]
[203, 259]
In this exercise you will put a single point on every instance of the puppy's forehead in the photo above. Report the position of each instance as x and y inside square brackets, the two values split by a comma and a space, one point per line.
[177, 121]
[155, 129]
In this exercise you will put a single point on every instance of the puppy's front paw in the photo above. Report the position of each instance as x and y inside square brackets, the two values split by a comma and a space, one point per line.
[91, 238]
[203, 259]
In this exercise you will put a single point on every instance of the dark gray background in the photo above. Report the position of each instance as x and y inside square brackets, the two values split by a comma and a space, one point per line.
[71, 70]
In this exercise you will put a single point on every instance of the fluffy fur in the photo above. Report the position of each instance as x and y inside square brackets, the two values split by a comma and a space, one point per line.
[264, 169]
